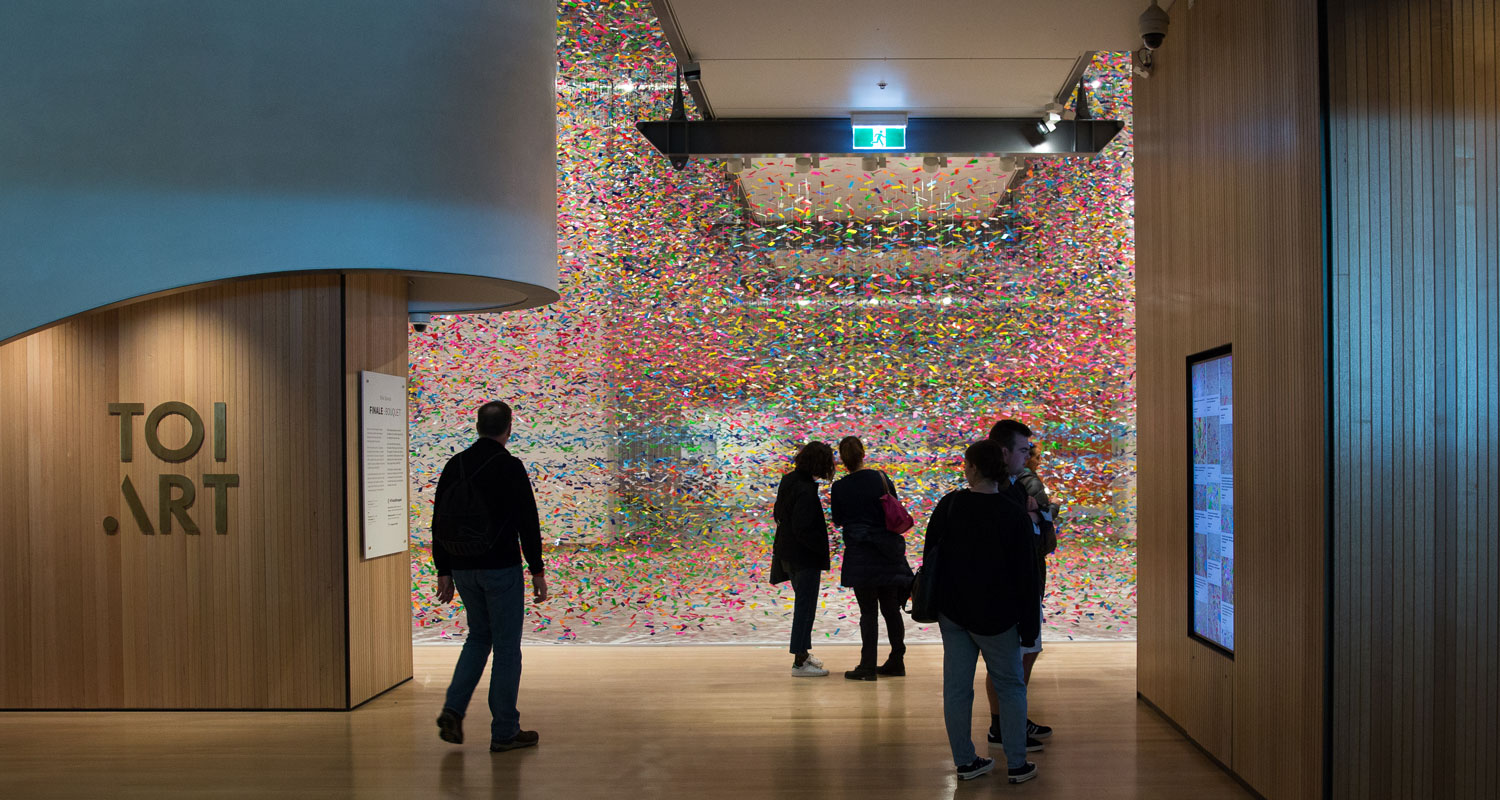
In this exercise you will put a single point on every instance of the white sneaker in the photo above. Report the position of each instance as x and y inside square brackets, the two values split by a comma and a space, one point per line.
[813, 660]
[807, 670]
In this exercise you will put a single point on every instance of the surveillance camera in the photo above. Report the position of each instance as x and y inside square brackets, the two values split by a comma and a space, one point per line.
[419, 320]
[1154, 23]
[679, 163]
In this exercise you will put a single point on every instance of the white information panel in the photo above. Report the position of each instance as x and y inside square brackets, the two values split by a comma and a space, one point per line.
[383, 453]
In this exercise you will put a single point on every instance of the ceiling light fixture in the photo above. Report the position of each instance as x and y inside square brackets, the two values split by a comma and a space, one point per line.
[804, 165]
[1051, 115]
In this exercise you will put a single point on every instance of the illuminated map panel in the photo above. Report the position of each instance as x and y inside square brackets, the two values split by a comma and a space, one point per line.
[1212, 384]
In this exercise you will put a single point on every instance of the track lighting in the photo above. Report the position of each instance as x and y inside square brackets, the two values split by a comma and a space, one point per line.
[1051, 115]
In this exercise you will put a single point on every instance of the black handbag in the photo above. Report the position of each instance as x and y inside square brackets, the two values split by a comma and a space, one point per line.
[923, 607]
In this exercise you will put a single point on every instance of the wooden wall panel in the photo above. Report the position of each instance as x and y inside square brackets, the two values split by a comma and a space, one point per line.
[1228, 251]
[1415, 242]
[380, 654]
[250, 619]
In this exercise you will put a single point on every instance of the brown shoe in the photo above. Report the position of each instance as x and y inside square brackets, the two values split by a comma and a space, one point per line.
[521, 739]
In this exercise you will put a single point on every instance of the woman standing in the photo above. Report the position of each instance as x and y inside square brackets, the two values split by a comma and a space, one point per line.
[979, 543]
[800, 551]
[874, 560]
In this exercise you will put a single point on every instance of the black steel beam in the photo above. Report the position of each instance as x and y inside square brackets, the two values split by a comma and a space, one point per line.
[955, 136]
[684, 56]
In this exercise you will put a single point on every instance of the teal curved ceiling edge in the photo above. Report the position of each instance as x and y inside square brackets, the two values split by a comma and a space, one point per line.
[153, 145]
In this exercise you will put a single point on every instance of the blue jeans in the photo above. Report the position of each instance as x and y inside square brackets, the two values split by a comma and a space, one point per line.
[804, 607]
[494, 602]
[1002, 657]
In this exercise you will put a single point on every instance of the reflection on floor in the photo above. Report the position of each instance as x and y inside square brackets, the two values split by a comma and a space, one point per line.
[635, 722]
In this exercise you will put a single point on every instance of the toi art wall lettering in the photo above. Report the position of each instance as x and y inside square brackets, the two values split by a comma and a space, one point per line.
[176, 493]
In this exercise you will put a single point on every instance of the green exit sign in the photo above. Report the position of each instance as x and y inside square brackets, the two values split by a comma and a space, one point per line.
[879, 137]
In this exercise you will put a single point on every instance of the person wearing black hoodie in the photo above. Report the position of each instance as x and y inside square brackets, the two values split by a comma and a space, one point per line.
[874, 560]
[800, 551]
[979, 547]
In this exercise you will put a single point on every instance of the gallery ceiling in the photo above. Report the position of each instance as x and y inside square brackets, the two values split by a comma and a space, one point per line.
[951, 58]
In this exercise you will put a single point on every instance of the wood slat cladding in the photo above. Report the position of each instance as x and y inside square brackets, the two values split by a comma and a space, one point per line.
[380, 650]
[1415, 243]
[1228, 251]
[257, 617]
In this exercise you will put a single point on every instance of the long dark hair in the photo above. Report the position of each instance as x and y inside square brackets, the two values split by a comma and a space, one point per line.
[816, 459]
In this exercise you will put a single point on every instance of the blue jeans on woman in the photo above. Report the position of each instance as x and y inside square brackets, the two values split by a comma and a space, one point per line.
[1002, 657]
[494, 601]
[804, 607]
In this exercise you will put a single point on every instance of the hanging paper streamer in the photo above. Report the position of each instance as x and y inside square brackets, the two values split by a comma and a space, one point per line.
[694, 349]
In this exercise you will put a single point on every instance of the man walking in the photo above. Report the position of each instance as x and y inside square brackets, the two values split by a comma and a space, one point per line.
[483, 508]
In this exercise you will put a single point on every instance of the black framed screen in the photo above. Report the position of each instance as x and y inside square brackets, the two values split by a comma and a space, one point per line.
[1211, 450]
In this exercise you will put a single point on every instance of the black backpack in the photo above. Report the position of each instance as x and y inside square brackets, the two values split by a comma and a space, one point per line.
[461, 522]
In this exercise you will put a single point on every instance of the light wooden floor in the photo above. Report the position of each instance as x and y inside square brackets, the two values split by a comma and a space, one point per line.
[659, 722]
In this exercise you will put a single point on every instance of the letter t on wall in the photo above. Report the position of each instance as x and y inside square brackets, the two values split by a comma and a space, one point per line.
[125, 411]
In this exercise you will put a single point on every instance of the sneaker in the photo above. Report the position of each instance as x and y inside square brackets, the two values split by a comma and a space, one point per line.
[971, 771]
[450, 727]
[861, 673]
[1032, 744]
[807, 670]
[814, 660]
[1037, 731]
[1021, 774]
[521, 739]
[892, 668]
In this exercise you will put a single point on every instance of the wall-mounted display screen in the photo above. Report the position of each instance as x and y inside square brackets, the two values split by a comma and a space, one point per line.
[1211, 383]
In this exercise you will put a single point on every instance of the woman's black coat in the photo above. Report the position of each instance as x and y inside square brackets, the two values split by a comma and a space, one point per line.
[801, 530]
[873, 556]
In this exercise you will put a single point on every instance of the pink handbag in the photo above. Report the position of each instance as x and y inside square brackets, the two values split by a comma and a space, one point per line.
[897, 520]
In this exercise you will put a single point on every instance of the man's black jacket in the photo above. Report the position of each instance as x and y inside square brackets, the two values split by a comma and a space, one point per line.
[506, 489]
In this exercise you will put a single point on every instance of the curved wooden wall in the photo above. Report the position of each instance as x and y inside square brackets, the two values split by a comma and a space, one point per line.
[260, 616]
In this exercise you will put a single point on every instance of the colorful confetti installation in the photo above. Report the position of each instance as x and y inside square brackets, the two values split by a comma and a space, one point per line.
[697, 345]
